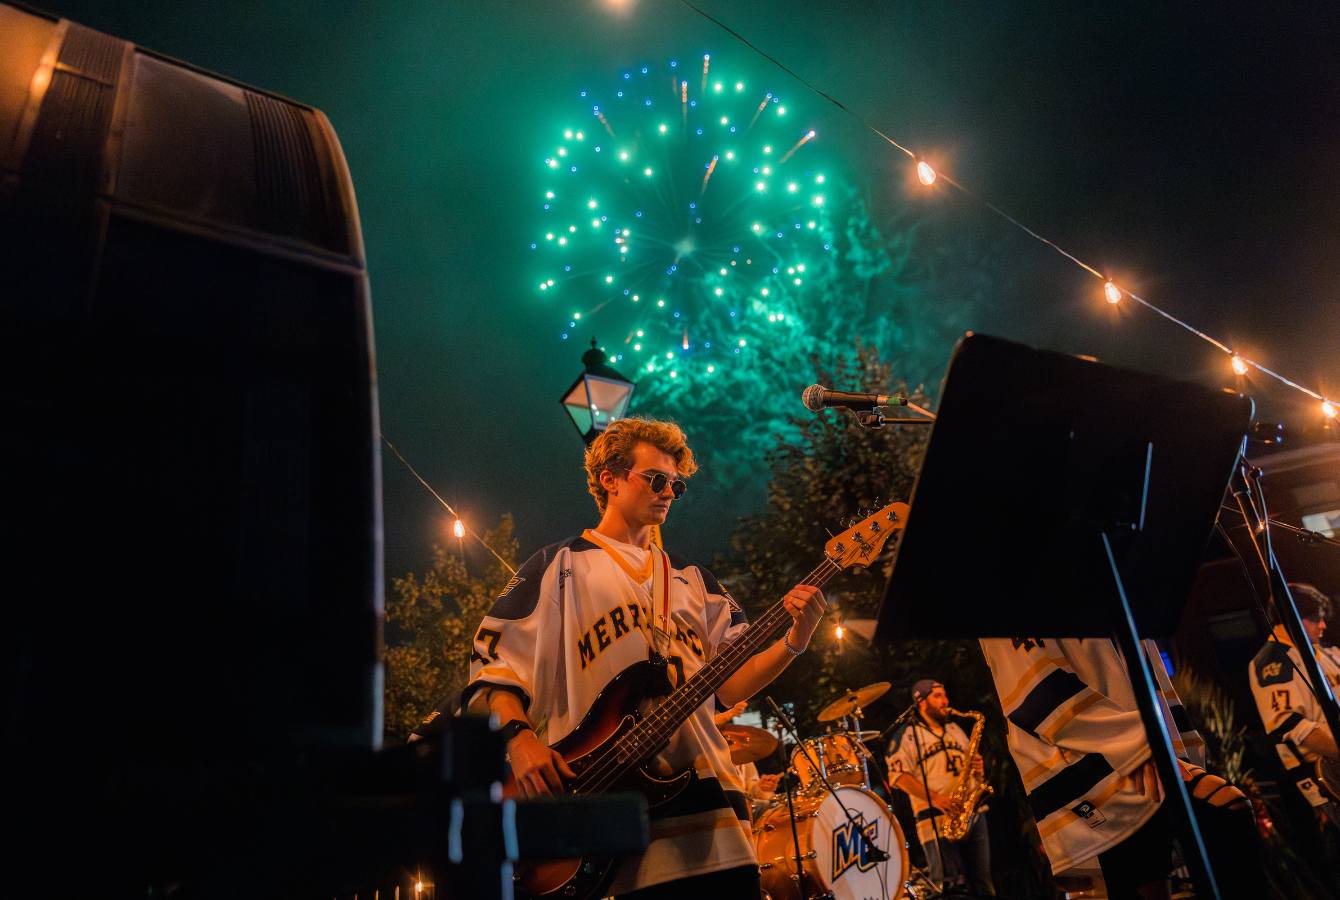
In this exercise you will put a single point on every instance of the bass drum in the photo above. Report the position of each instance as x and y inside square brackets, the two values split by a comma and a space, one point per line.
[833, 857]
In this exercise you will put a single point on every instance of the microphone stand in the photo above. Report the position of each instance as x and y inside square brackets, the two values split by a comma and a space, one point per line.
[875, 854]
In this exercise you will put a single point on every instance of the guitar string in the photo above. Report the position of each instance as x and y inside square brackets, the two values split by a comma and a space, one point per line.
[600, 769]
[610, 767]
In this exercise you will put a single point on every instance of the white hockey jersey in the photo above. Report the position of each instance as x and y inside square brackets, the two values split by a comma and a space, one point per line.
[1076, 735]
[1288, 707]
[946, 759]
[576, 615]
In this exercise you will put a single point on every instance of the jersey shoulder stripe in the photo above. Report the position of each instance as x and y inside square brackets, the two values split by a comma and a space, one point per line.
[714, 588]
[1049, 695]
[1069, 786]
[519, 599]
[1272, 664]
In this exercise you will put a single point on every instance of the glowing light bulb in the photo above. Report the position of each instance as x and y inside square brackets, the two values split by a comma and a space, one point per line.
[639, 334]
[660, 303]
[739, 85]
[623, 155]
[576, 315]
[781, 110]
[819, 201]
[718, 292]
[562, 240]
[839, 632]
[1328, 409]
[741, 342]
[580, 136]
[549, 236]
[730, 154]
[459, 529]
[767, 170]
[925, 173]
[767, 149]
[723, 120]
[562, 151]
[791, 188]
[550, 195]
[760, 185]
[637, 346]
[819, 179]
[758, 227]
[647, 172]
[568, 135]
[418, 887]
[1112, 293]
[1239, 366]
[670, 355]
[662, 129]
[609, 279]
[711, 369]
[614, 359]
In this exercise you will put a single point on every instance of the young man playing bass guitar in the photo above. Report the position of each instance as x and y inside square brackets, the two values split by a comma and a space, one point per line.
[583, 611]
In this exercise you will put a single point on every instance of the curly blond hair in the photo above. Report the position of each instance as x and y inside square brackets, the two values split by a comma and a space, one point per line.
[613, 451]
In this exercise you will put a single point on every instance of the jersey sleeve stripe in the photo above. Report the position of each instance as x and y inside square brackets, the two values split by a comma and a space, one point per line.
[1069, 785]
[1067, 716]
[1025, 679]
[1285, 727]
[1046, 698]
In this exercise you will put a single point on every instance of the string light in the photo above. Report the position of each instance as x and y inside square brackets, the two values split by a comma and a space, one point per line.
[459, 524]
[1239, 367]
[927, 175]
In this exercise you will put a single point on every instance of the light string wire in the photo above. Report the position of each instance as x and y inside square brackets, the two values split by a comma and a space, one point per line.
[1008, 218]
[447, 505]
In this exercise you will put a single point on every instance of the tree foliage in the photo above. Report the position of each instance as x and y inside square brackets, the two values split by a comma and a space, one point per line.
[431, 623]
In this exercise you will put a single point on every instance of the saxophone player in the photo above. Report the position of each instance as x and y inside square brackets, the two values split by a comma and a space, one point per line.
[927, 757]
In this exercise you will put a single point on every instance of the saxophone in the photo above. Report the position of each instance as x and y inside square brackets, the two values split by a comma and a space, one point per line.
[968, 791]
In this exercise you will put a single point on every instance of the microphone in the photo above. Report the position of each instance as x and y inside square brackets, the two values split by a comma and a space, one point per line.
[818, 398]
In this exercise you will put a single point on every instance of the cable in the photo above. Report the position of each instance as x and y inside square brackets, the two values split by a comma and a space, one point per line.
[447, 505]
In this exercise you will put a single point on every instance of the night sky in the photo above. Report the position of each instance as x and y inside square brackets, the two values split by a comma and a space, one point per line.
[1190, 150]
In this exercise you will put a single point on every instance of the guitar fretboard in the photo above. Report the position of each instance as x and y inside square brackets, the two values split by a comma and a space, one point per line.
[659, 724]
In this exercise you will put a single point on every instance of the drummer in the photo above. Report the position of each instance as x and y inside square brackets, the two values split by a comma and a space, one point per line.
[760, 788]
[929, 751]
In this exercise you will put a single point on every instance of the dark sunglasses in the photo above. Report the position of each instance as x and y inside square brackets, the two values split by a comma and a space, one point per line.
[660, 480]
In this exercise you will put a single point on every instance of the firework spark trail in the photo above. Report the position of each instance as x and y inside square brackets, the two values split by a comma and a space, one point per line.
[705, 59]
[710, 167]
[807, 136]
[684, 105]
[601, 117]
[762, 106]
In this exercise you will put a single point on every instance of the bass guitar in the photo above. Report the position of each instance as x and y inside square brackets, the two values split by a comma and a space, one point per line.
[613, 747]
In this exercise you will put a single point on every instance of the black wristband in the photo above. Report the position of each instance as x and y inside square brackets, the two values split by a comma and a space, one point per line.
[513, 728]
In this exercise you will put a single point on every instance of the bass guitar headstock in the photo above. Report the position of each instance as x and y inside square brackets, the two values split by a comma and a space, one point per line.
[860, 544]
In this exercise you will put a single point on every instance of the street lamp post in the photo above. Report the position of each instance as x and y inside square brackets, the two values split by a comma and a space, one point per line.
[598, 397]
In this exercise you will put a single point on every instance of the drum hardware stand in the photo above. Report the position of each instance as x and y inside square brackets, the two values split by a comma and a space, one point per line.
[795, 835]
[874, 854]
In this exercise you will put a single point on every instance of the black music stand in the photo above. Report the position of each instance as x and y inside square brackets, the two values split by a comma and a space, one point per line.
[1062, 497]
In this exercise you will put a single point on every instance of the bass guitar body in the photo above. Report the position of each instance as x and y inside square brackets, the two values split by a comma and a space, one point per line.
[613, 715]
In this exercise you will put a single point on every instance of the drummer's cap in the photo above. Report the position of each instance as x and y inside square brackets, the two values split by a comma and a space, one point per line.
[922, 689]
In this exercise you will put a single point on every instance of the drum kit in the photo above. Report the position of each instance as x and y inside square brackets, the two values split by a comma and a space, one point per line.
[833, 819]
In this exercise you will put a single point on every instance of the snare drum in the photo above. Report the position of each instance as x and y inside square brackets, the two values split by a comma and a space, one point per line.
[833, 858]
[841, 759]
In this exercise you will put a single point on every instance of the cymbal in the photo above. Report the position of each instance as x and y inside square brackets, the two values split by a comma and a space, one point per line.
[747, 743]
[869, 735]
[861, 697]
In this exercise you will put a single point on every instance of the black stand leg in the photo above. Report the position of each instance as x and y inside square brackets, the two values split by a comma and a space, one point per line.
[1146, 698]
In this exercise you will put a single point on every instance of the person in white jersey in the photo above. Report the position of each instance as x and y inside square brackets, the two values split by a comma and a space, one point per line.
[933, 744]
[580, 612]
[1293, 718]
